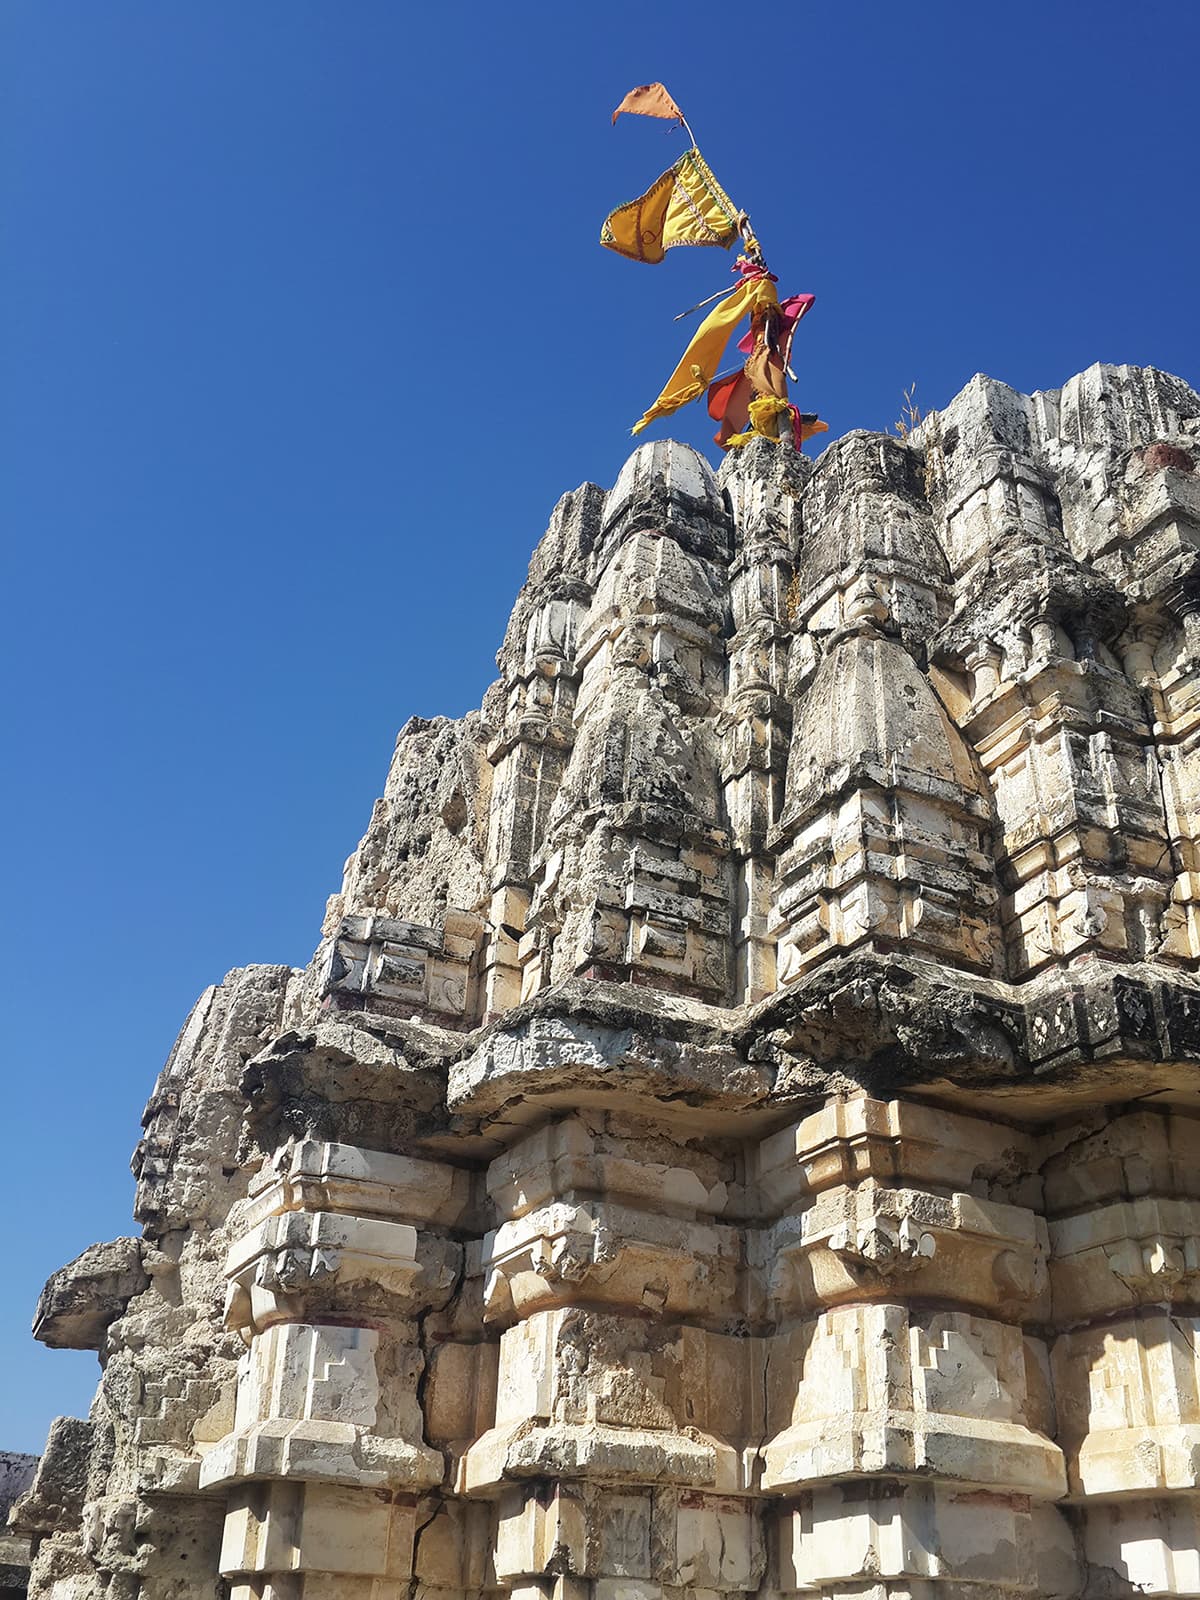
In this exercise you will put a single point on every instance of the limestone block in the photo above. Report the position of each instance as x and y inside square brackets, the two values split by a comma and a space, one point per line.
[601, 1451]
[582, 1394]
[298, 1370]
[274, 1267]
[319, 1176]
[1144, 1547]
[1064, 745]
[310, 1405]
[526, 1384]
[1129, 1253]
[762, 487]
[192, 1120]
[718, 1544]
[454, 1548]
[1128, 1395]
[55, 1498]
[1140, 1153]
[316, 1452]
[670, 488]
[567, 1155]
[403, 967]
[425, 842]
[652, 1537]
[853, 1244]
[651, 577]
[924, 1539]
[610, 1253]
[883, 832]
[1085, 431]
[986, 453]
[531, 1531]
[861, 510]
[318, 1529]
[871, 1390]
[854, 1137]
[533, 1064]
[183, 1410]
[460, 1392]
[502, 971]
[82, 1299]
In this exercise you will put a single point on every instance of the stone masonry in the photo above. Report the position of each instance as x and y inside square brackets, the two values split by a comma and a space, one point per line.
[16, 1474]
[740, 1130]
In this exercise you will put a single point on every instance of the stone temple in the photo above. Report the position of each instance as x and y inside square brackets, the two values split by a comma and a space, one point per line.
[740, 1131]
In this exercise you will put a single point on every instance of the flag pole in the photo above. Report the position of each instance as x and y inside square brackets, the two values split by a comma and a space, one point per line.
[720, 295]
[749, 239]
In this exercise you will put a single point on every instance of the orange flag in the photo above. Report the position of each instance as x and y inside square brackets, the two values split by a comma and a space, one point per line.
[649, 100]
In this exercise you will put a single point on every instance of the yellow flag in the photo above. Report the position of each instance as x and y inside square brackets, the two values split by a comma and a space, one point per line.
[698, 365]
[685, 206]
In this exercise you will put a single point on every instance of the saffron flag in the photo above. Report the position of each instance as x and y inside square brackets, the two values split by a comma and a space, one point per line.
[686, 205]
[649, 100]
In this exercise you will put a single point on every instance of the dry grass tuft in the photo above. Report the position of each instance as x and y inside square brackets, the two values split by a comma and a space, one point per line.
[910, 413]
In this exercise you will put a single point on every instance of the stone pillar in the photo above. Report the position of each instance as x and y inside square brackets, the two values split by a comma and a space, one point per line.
[908, 1429]
[619, 1451]
[762, 483]
[327, 1457]
[638, 817]
[532, 710]
[1123, 1204]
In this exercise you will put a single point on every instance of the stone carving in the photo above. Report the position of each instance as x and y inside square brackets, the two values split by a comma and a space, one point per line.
[740, 1130]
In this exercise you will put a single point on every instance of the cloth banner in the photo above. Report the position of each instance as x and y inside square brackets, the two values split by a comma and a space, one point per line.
[686, 205]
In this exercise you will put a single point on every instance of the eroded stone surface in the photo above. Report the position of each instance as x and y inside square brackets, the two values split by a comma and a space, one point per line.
[739, 1131]
[16, 1474]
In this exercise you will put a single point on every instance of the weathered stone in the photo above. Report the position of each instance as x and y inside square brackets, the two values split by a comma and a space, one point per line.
[738, 1133]
[16, 1474]
[82, 1298]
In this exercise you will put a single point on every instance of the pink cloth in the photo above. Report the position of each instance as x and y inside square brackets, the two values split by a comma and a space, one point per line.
[790, 311]
[751, 269]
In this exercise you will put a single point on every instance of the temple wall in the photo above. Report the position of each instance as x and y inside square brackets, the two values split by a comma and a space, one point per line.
[739, 1131]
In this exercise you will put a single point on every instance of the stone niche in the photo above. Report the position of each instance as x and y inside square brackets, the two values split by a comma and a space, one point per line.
[739, 1132]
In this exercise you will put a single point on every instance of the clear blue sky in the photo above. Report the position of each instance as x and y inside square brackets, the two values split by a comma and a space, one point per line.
[305, 328]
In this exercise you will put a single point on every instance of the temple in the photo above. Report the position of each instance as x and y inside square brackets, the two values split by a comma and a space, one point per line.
[739, 1133]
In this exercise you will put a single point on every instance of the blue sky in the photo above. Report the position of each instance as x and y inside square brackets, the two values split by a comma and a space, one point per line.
[305, 329]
